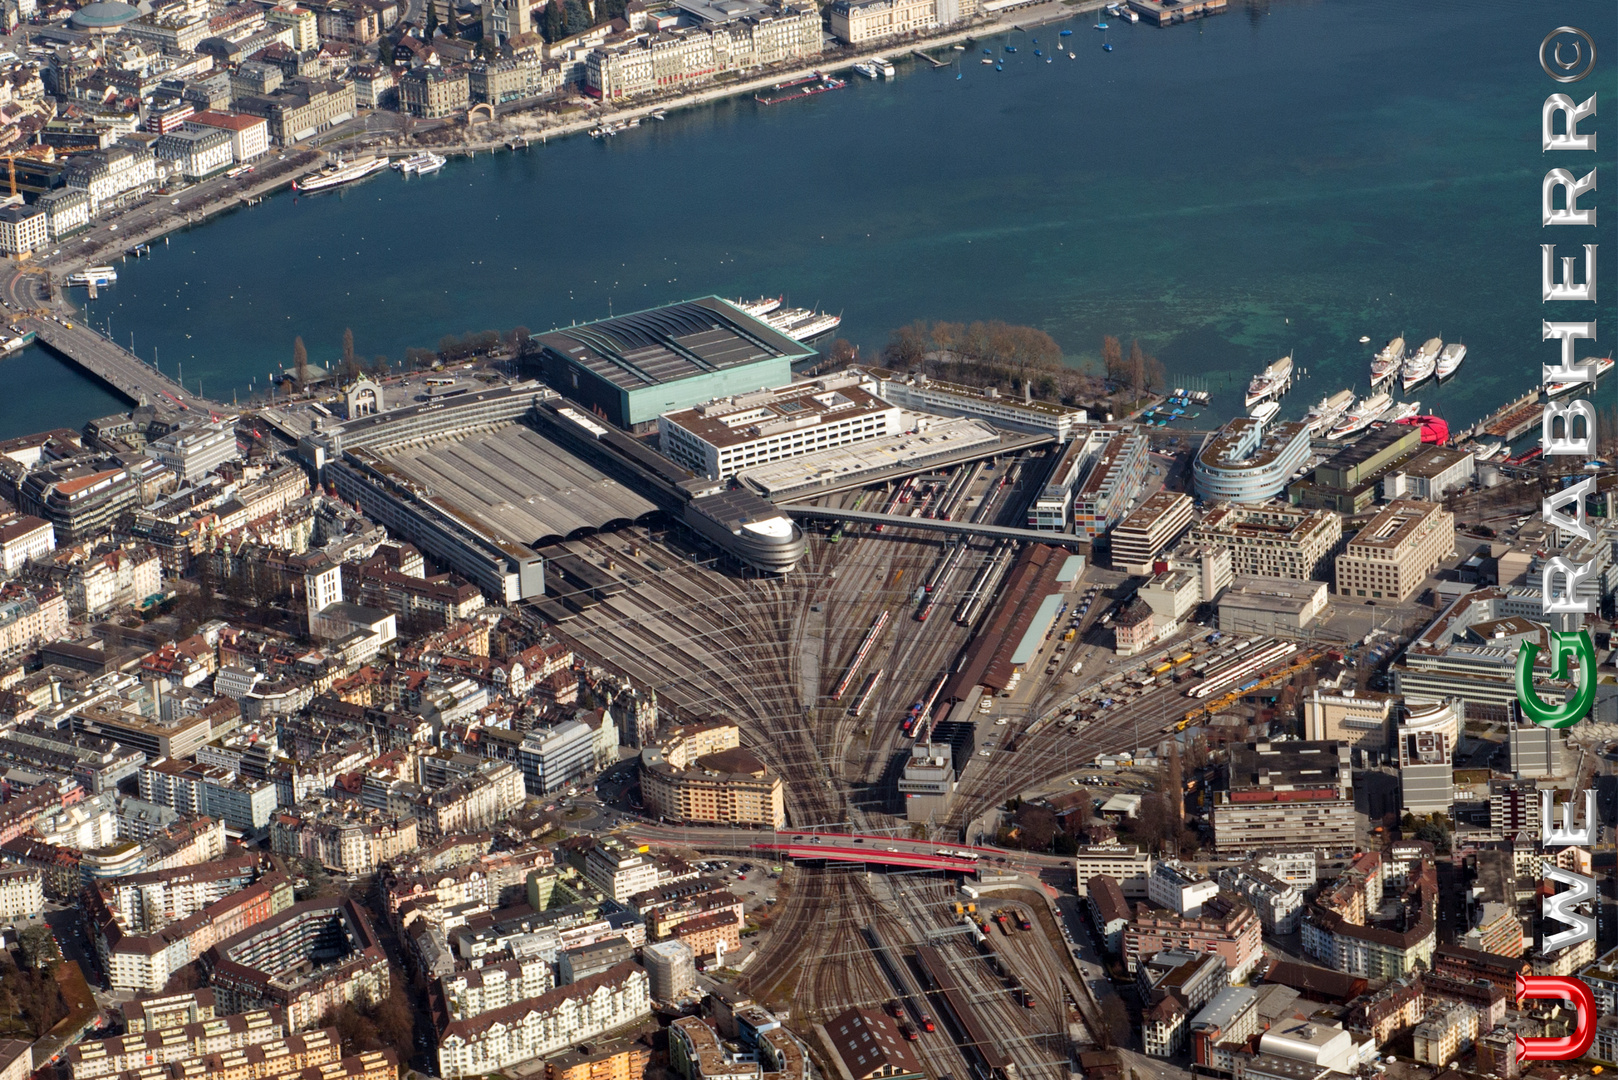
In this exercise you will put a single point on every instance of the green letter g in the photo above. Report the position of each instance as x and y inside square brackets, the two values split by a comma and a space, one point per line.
[1574, 644]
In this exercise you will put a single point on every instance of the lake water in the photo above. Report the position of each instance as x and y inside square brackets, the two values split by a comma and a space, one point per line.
[1283, 178]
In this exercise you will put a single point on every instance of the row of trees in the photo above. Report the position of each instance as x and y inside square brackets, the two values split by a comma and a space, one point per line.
[985, 354]
[1139, 374]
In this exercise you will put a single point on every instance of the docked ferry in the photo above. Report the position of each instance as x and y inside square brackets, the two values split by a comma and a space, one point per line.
[1385, 364]
[421, 164]
[94, 275]
[340, 173]
[1324, 415]
[1361, 416]
[1271, 382]
[1557, 389]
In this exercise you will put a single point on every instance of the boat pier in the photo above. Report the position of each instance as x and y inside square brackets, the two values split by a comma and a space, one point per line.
[121, 370]
[933, 60]
[1512, 419]
[1160, 13]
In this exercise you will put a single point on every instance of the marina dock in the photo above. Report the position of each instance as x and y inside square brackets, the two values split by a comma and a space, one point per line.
[1512, 419]
[121, 370]
[933, 60]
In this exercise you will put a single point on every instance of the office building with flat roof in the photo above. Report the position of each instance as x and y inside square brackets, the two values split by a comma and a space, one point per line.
[1430, 474]
[633, 368]
[1273, 541]
[1349, 480]
[1286, 794]
[1243, 463]
[719, 438]
[1149, 529]
[1128, 866]
[1271, 607]
[1396, 551]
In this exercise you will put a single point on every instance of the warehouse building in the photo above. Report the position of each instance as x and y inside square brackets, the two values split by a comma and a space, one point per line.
[1271, 607]
[633, 368]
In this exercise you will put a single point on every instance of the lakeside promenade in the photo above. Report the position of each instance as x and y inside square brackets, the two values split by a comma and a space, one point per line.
[157, 218]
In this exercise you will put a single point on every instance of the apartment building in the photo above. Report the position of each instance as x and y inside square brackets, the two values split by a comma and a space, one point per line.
[191, 788]
[169, 1045]
[345, 839]
[1179, 888]
[479, 990]
[1445, 1034]
[1149, 529]
[555, 1020]
[474, 802]
[701, 774]
[22, 894]
[1348, 927]
[1279, 903]
[1396, 552]
[144, 962]
[23, 229]
[1273, 541]
[29, 617]
[1227, 927]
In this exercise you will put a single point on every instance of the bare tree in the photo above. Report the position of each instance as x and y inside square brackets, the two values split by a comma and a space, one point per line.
[1112, 358]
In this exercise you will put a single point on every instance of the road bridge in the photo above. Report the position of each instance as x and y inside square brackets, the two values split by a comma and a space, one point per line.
[897, 521]
[123, 371]
[872, 854]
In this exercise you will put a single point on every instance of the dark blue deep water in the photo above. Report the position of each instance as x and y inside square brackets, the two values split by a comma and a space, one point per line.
[1284, 177]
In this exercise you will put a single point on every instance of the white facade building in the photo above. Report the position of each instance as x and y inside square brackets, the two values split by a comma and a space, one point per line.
[724, 436]
[23, 539]
[22, 894]
[196, 153]
[1179, 888]
[195, 452]
[1279, 903]
[23, 229]
[539, 1026]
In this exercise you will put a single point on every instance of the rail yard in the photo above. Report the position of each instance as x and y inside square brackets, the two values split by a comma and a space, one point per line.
[832, 672]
